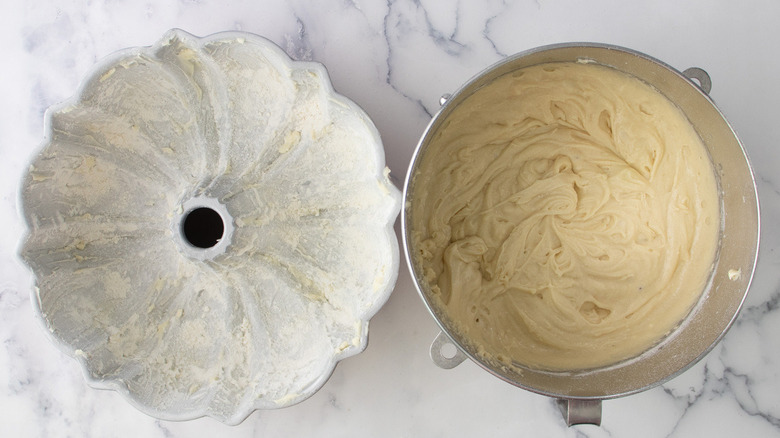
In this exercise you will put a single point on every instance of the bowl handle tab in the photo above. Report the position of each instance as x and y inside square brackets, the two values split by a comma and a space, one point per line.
[444, 353]
[580, 411]
[700, 77]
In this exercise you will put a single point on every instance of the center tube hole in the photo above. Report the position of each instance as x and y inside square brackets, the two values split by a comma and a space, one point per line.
[203, 227]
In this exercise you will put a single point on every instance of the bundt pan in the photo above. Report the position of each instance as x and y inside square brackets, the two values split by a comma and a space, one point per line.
[210, 226]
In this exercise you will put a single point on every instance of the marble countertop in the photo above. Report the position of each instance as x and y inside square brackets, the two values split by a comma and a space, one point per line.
[395, 59]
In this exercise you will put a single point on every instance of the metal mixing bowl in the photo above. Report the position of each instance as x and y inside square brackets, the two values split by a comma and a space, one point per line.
[580, 392]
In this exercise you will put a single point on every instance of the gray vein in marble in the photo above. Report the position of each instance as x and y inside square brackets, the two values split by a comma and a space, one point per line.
[163, 429]
[687, 401]
[333, 400]
[745, 398]
[755, 312]
[763, 180]
[715, 387]
[487, 32]
[298, 46]
[389, 45]
[446, 43]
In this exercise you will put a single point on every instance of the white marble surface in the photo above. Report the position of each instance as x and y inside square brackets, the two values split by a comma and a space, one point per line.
[395, 58]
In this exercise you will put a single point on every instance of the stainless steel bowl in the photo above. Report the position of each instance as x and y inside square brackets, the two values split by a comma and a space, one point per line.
[580, 392]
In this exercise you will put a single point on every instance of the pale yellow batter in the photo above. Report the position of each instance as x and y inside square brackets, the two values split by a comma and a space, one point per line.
[566, 217]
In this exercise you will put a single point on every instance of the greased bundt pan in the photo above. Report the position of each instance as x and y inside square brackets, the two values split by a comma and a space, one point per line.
[210, 226]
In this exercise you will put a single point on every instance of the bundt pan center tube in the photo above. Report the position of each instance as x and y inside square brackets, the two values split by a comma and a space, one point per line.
[461, 241]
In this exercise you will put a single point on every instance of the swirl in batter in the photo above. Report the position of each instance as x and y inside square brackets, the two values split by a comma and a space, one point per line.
[565, 217]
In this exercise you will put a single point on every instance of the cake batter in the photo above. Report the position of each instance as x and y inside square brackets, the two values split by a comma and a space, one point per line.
[565, 217]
